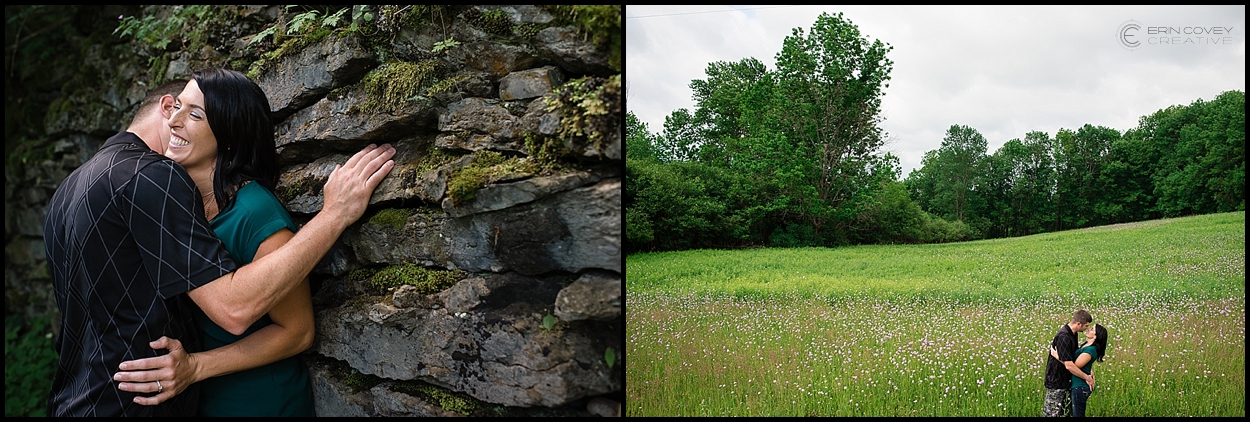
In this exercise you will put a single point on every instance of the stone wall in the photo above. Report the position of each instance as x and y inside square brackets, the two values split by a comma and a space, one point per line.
[486, 277]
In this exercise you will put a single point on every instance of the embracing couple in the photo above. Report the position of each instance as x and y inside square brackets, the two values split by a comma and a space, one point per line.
[182, 282]
[1070, 367]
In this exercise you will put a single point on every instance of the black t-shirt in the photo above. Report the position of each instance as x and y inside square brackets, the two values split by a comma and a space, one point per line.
[1057, 374]
[125, 237]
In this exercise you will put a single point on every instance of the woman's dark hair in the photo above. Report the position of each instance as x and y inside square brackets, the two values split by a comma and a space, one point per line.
[238, 113]
[1100, 341]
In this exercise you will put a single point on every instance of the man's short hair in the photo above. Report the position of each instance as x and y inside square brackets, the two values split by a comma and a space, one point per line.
[1082, 317]
[173, 87]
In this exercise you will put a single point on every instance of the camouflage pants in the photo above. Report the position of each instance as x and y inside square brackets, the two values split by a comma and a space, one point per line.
[1058, 403]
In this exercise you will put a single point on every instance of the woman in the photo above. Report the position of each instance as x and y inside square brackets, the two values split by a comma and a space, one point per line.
[1094, 348]
[223, 137]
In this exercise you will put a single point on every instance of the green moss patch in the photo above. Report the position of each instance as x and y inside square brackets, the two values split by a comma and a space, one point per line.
[495, 22]
[427, 281]
[456, 402]
[394, 217]
[391, 85]
[362, 274]
[353, 379]
[297, 188]
[446, 84]
[488, 166]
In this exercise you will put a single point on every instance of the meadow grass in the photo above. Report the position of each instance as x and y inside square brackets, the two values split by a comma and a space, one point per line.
[941, 330]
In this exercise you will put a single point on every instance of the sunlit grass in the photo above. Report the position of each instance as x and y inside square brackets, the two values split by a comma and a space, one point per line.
[941, 330]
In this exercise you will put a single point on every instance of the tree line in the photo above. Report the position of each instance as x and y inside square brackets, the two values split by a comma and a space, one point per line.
[791, 157]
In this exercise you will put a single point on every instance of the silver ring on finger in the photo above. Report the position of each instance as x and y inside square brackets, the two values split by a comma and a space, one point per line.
[159, 387]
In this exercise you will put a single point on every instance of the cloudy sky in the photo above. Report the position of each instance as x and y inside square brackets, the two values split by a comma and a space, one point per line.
[1003, 70]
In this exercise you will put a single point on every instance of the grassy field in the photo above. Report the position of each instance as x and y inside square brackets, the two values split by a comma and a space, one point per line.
[941, 330]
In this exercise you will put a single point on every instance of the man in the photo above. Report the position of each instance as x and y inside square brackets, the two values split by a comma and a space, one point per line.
[1059, 372]
[129, 250]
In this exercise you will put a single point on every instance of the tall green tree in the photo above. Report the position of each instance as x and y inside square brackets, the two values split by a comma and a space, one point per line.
[957, 164]
[680, 140]
[1080, 157]
[997, 185]
[1037, 186]
[731, 91]
[639, 142]
[828, 99]
[1128, 177]
[1203, 171]
[920, 182]
[1223, 131]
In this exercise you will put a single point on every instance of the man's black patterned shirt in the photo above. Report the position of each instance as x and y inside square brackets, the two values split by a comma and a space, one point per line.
[126, 237]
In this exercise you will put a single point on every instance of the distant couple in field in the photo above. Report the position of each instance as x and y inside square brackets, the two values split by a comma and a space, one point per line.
[1070, 367]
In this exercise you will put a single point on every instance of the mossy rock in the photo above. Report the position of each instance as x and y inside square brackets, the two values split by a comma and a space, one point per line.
[494, 22]
[426, 280]
[353, 379]
[393, 84]
[490, 166]
[588, 107]
[601, 23]
[393, 217]
[299, 187]
[447, 399]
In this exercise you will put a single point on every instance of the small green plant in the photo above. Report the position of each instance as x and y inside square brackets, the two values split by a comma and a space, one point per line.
[360, 13]
[299, 21]
[529, 30]
[609, 356]
[307, 23]
[267, 32]
[31, 151]
[183, 23]
[333, 20]
[549, 321]
[494, 22]
[444, 44]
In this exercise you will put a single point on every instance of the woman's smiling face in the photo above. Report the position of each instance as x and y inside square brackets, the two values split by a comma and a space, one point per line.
[191, 141]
